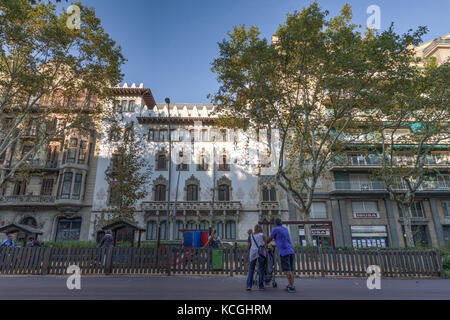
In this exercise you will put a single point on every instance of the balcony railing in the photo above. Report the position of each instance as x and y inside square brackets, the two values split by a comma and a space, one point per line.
[27, 199]
[192, 205]
[380, 186]
[401, 161]
[46, 164]
[269, 205]
[434, 44]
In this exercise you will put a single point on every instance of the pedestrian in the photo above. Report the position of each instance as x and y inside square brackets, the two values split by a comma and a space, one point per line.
[283, 241]
[8, 242]
[107, 241]
[213, 241]
[36, 244]
[249, 240]
[257, 254]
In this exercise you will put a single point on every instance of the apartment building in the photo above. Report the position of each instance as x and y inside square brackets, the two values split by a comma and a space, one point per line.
[55, 197]
[208, 176]
[204, 177]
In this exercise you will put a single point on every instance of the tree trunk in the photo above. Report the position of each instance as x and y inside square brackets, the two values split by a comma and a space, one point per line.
[408, 235]
[308, 235]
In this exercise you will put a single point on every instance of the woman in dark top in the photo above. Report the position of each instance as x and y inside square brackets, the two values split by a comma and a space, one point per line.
[107, 241]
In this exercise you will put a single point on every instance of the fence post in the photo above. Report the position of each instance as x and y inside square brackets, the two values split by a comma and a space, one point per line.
[169, 256]
[379, 261]
[439, 263]
[108, 261]
[46, 261]
[230, 261]
[322, 271]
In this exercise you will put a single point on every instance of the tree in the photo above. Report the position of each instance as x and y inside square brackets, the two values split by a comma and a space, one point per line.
[128, 173]
[48, 69]
[313, 84]
[415, 123]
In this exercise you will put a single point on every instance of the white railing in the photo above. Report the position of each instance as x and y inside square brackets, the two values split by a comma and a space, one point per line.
[17, 199]
[192, 205]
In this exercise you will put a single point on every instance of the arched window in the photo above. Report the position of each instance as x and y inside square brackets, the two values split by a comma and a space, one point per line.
[203, 161]
[160, 192]
[192, 192]
[29, 221]
[68, 229]
[152, 230]
[230, 230]
[224, 192]
[178, 227]
[273, 194]
[223, 161]
[204, 225]
[269, 194]
[161, 162]
[191, 225]
[163, 230]
[265, 194]
[219, 228]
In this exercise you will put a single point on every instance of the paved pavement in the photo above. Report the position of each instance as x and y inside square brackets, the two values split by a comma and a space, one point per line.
[212, 288]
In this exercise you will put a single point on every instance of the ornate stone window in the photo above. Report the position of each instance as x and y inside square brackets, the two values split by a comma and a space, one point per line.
[268, 189]
[182, 161]
[230, 230]
[224, 189]
[179, 225]
[218, 226]
[152, 230]
[191, 225]
[224, 164]
[162, 161]
[29, 221]
[159, 189]
[269, 193]
[203, 161]
[192, 189]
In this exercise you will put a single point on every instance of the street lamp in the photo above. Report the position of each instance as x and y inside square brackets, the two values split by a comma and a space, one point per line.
[169, 131]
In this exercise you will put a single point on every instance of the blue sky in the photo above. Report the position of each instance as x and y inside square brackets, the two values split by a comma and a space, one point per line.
[170, 44]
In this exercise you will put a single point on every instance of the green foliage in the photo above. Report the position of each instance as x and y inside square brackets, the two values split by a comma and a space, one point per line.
[69, 244]
[129, 173]
[47, 68]
[317, 81]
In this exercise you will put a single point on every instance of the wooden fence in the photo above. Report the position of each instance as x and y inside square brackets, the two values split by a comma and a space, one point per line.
[169, 261]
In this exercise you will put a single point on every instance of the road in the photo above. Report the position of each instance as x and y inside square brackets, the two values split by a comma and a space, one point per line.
[215, 288]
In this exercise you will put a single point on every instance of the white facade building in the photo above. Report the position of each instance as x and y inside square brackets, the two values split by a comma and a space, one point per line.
[219, 177]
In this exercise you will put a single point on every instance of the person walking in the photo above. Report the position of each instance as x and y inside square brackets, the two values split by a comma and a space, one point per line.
[8, 242]
[213, 241]
[283, 241]
[257, 254]
[107, 241]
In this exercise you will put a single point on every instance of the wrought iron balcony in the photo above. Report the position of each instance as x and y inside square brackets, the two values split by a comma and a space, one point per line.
[380, 186]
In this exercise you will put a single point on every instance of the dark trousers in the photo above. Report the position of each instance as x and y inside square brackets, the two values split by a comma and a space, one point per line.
[251, 270]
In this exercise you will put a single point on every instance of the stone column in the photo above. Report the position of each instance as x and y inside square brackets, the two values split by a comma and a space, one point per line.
[394, 239]
[437, 222]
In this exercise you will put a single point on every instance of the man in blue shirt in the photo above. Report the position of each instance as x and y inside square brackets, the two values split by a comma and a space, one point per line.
[283, 241]
[9, 242]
